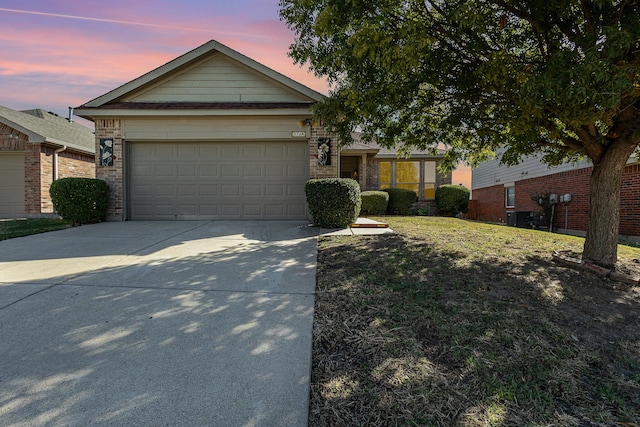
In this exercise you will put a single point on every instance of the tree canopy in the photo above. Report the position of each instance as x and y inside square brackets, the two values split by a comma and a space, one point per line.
[558, 78]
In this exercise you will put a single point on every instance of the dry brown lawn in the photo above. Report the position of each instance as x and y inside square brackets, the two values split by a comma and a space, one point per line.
[455, 323]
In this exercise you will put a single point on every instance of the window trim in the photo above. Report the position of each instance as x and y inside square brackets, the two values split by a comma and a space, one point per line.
[506, 196]
[421, 174]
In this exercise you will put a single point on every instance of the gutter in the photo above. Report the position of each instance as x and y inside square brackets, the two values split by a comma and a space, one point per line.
[55, 161]
[69, 145]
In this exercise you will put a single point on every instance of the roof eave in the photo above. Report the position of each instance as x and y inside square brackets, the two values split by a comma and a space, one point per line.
[359, 151]
[411, 157]
[92, 113]
[69, 145]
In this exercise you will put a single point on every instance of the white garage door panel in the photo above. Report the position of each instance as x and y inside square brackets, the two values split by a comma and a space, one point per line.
[215, 180]
[11, 184]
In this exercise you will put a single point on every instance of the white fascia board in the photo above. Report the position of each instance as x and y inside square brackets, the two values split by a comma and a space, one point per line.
[89, 113]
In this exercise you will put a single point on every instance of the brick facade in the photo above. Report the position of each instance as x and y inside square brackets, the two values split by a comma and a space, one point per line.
[315, 170]
[70, 165]
[490, 203]
[630, 201]
[38, 168]
[573, 215]
[112, 175]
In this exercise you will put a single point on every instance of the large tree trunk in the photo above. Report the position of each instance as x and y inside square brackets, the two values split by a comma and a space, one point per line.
[601, 244]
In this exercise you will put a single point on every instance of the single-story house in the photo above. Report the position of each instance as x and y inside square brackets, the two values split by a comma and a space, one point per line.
[37, 147]
[506, 194]
[214, 134]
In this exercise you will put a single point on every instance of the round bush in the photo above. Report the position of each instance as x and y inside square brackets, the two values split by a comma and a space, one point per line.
[452, 199]
[374, 202]
[333, 202]
[80, 200]
[400, 200]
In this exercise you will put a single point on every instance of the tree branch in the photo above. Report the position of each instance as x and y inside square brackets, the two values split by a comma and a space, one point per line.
[586, 11]
[592, 147]
[535, 25]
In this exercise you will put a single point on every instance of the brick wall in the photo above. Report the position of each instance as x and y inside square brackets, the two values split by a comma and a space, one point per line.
[373, 175]
[11, 139]
[630, 201]
[490, 203]
[46, 178]
[573, 215]
[113, 175]
[32, 182]
[70, 165]
[315, 170]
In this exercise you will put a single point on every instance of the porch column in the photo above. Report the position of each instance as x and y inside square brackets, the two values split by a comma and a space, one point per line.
[362, 168]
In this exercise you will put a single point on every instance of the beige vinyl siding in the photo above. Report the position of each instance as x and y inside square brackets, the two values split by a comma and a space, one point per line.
[218, 79]
[11, 184]
[492, 173]
[219, 128]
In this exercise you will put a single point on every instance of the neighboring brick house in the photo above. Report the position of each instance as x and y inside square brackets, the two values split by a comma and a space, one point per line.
[214, 134]
[505, 194]
[37, 147]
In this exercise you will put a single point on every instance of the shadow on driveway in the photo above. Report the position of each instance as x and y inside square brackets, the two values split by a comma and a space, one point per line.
[178, 323]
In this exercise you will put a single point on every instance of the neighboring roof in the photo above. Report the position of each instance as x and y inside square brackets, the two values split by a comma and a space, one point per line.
[207, 49]
[45, 127]
[371, 147]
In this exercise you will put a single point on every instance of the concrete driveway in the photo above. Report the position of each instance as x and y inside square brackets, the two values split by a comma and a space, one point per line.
[202, 323]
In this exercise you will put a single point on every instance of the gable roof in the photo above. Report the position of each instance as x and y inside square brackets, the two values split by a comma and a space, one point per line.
[45, 127]
[117, 95]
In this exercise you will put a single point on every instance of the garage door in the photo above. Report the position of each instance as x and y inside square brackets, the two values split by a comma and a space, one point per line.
[11, 184]
[217, 180]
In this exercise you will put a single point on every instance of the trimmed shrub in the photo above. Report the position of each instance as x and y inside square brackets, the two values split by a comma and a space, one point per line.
[333, 202]
[80, 200]
[452, 199]
[400, 200]
[374, 202]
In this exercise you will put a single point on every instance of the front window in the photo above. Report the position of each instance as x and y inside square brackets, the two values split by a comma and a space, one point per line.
[408, 176]
[385, 175]
[430, 174]
[418, 176]
[510, 196]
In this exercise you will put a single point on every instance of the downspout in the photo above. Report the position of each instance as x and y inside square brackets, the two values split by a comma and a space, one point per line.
[55, 161]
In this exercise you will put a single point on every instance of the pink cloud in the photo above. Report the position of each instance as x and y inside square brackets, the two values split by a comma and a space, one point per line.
[462, 175]
[53, 60]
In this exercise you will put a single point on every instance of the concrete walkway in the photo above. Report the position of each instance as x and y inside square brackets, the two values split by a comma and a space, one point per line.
[204, 323]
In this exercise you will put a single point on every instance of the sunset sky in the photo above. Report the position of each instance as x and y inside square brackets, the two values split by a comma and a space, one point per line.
[61, 53]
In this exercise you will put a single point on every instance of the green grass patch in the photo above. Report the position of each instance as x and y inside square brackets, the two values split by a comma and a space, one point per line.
[452, 322]
[12, 228]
